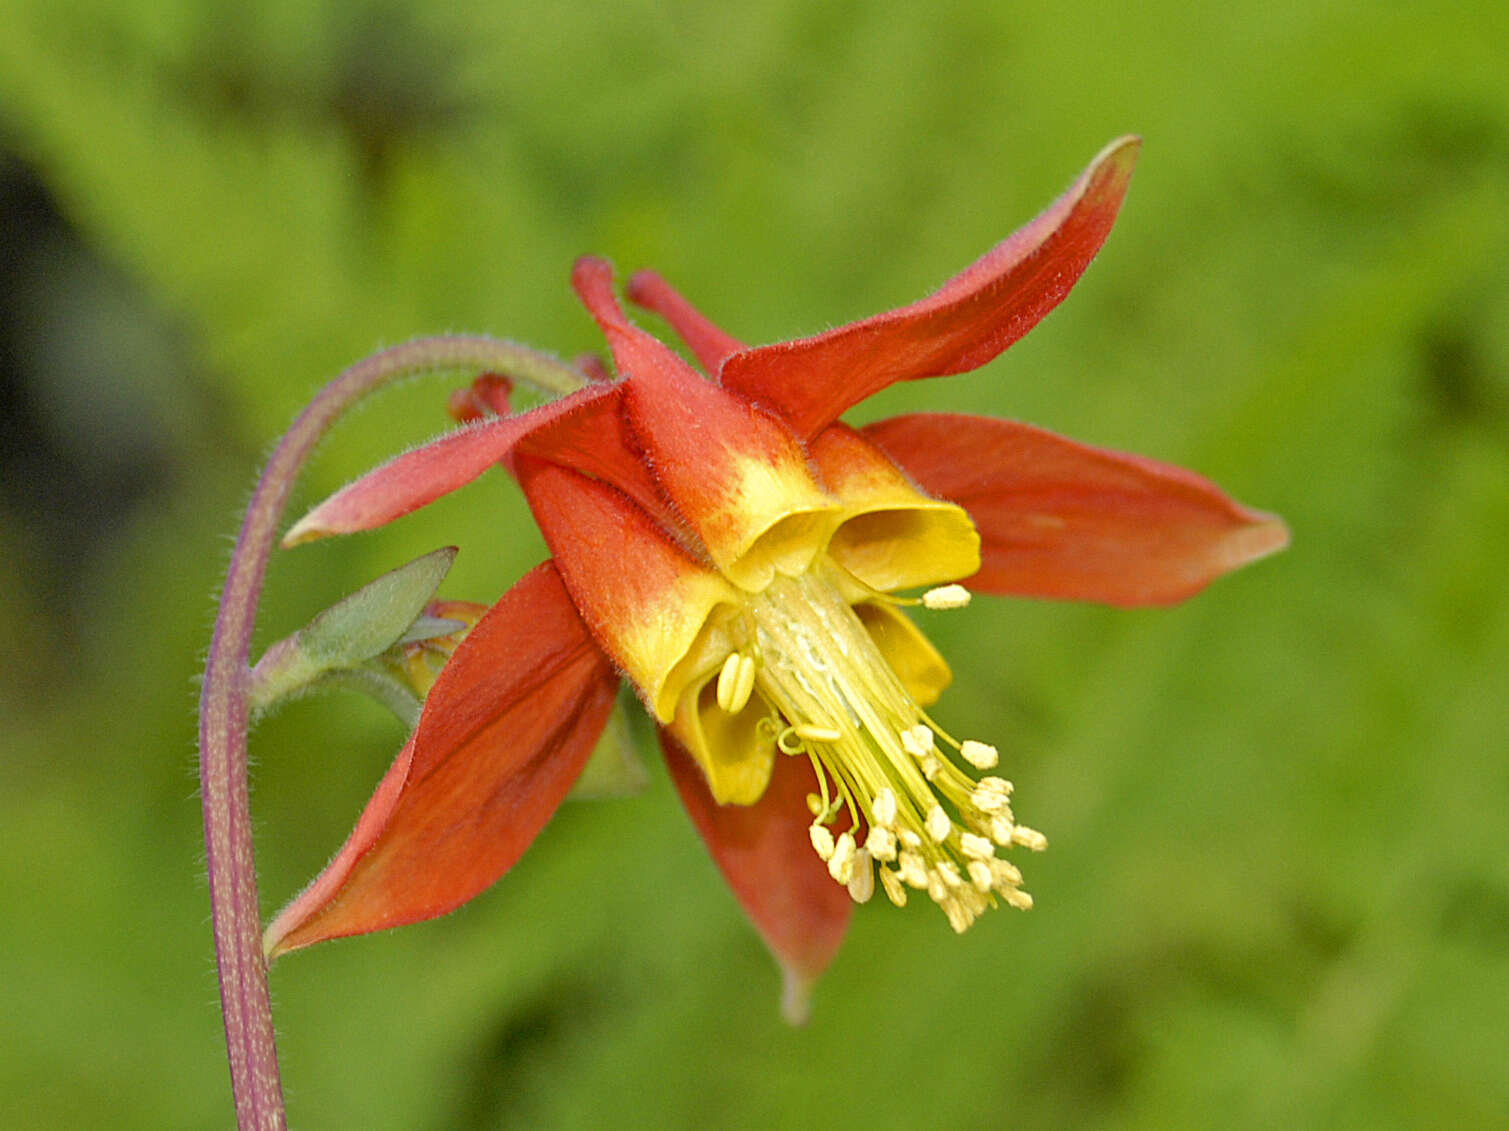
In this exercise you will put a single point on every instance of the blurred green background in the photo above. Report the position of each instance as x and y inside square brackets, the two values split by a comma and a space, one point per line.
[1278, 889]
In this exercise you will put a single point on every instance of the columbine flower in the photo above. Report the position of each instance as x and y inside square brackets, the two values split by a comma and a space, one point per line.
[730, 547]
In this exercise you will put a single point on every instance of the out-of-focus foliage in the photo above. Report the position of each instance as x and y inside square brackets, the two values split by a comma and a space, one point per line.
[1278, 889]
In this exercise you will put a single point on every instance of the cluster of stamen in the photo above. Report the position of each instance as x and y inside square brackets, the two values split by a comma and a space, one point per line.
[890, 800]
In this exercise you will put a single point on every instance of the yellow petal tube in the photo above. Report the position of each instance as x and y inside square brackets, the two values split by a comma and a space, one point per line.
[736, 750]
[654, 609]
[893, 536]
[737, 475]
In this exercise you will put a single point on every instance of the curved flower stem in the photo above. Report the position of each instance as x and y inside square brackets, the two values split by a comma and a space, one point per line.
[223, 707]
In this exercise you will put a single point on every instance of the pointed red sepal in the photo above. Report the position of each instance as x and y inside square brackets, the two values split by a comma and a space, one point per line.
[423, 474]
[635, 351]
[504, 733]
[709, 344]
[765, 853]
[1065, 520]
[737, 474]
[593, 440]
[973, 317]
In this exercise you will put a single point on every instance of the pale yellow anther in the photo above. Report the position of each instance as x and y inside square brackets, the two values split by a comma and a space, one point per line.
[991, 795]
[744, 687]
[950, 874]
[862, 882]
[981, 875]
[894, 890]
[811, 732]
[937, 890]
[841, 863]
[976, 847]
[728, 681]
[883, 810]
[1005, 873]
[980, 755]
[938, 824]
[881, 843]
[918, 740]
[909, 838]
[959, 917]
[815, 805]
[913, 870]
[1029, 838]
[931, 767]
[822, 841]
[1018, 899]
[946, 597]
[1002, 829]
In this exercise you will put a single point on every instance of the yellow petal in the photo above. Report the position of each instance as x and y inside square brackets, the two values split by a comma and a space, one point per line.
[735, 757]
[651, 606]
[922, 671]
[893, 536]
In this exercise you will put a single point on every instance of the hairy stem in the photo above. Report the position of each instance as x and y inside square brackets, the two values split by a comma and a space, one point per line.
[223, 704]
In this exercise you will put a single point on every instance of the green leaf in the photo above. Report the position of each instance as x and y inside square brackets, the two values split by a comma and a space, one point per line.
[355, 629]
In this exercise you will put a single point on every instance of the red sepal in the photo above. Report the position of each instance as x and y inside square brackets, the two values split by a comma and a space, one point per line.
[709, 344]
[503, 735]
[735, 473]
[973, 317]
[765, 853]
[424, 474]
[1065, 520]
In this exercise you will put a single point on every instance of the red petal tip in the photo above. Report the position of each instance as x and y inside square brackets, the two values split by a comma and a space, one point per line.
[592, 279]
[1267, 534]
[642, 287]
[307, 529]
[709, 342]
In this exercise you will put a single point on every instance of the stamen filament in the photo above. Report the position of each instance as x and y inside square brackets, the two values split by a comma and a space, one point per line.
[847, 710]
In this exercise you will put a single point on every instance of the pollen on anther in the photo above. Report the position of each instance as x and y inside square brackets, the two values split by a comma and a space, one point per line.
[946, 597]
[991, 795]
[883, 809]
[980, 755]
[862, 882]
[1029, 838]
[976, 847]
[917, 741]
[938, 824]
[811, 732]
[744, 685]
[822, 841]
[894, 890]
[881, 843]
[728, 681]
[912, 869]
[841, 863]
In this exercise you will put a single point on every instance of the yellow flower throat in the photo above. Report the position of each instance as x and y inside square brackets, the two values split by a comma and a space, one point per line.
[881, 773]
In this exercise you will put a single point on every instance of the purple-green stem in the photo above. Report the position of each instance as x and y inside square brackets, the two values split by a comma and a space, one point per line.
[224, 708]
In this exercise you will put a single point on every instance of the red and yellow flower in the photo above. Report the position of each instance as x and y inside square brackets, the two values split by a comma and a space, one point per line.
[723, 541]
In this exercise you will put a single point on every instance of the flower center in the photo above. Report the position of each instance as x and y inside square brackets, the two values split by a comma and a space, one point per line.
[881, 774]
